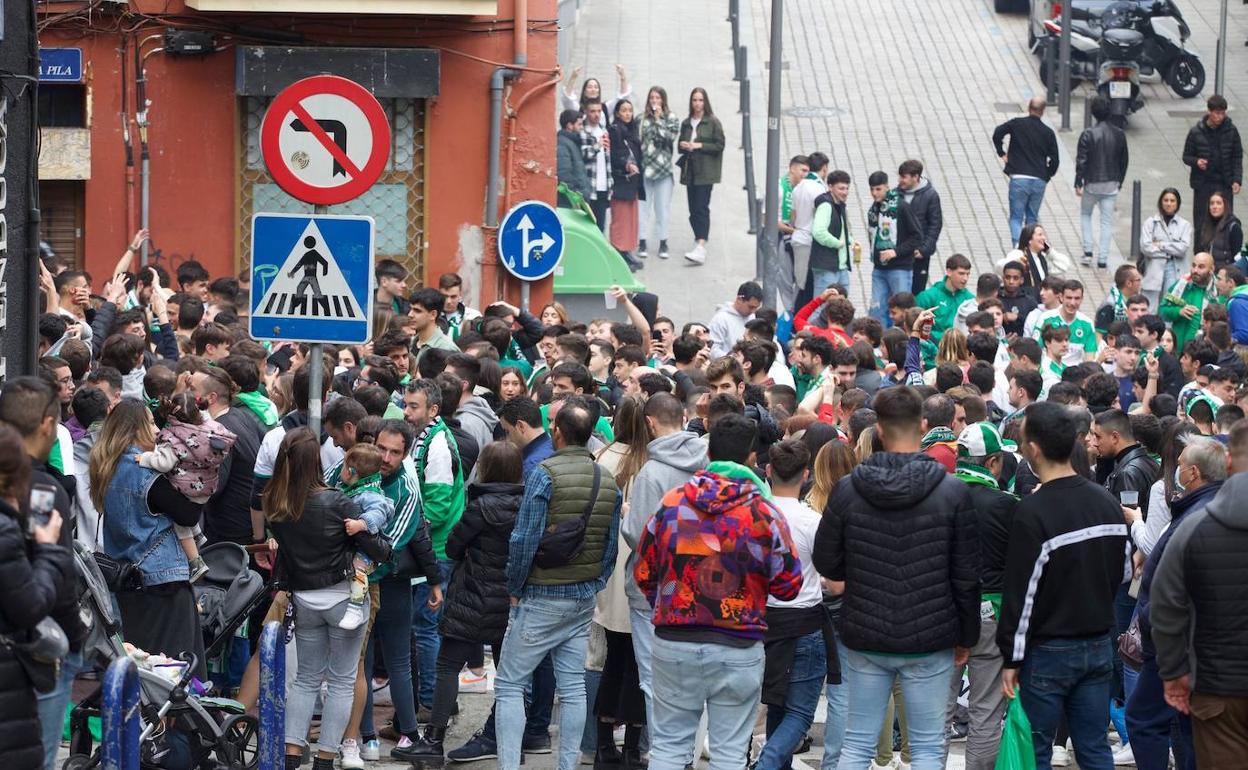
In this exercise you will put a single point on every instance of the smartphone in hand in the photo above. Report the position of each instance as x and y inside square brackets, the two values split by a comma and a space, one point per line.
[42, 501]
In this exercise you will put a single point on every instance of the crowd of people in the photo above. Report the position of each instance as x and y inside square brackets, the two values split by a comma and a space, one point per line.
[919, 512]
[622, 160]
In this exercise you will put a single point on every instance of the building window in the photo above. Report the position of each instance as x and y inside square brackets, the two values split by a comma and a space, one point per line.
[62, 105]
[396, 201]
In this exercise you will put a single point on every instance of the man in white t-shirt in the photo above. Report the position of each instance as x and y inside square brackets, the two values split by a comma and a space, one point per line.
[802, 216]
[796, 660]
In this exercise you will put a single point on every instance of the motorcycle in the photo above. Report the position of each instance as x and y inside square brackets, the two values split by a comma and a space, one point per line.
[1162, 57]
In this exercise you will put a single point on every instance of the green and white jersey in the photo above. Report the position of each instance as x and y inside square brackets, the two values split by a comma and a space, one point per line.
[1082, 335]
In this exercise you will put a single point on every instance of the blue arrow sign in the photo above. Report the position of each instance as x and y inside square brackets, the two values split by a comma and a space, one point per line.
[530, 241]
[312, 278]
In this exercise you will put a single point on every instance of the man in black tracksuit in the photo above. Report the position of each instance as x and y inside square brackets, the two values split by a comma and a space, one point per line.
[1068, 555]
[1216, 157]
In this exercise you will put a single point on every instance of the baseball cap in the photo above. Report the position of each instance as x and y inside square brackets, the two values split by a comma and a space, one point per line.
[982, 439]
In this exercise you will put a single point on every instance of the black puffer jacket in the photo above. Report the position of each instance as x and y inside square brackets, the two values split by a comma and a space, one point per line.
[42, 572]
[1220, 146]
[901, 533]
[477, 603]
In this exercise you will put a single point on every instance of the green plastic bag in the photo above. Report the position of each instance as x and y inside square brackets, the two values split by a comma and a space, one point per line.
[1017, 751]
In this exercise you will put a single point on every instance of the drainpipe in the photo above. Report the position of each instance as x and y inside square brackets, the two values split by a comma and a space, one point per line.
[498, 82]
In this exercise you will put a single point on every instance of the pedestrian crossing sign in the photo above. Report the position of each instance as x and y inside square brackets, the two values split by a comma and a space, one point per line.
[311, 278]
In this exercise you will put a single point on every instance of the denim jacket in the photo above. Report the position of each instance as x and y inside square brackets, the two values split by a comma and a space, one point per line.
[131, 528]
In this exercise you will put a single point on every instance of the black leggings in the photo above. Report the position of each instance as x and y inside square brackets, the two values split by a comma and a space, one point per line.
[452, 656]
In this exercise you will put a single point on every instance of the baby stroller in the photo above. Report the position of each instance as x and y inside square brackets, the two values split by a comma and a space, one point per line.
[181, 730]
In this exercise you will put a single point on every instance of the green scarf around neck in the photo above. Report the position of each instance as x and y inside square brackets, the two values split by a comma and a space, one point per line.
[741, 473]
[938, 435]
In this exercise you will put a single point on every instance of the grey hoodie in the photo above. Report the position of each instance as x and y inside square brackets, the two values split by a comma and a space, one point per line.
[673, 459]
[478, 420]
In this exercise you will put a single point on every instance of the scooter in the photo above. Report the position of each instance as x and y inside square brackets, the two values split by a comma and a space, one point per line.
[1109, 57]
[1164, 56]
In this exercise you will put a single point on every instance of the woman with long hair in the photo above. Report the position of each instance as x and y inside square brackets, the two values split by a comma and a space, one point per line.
[591, 89]
[477, 602]
[1144, 533]
[1222, 235]
[553, 314]
[1038, 258]
[626, 182]
[34, 570]
[1165, 240]
[512, 384]
[315, 561]
[834, 462]
[139, 509]
[659, 130]
[619, 691]
[701, 148]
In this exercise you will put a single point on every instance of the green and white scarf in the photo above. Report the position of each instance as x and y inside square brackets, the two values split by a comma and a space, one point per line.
[938, 435]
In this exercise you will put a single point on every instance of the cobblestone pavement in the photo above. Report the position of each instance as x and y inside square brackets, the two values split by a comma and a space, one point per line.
[876, 83]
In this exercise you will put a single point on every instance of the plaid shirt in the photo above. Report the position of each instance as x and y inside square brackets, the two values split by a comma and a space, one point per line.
[591, 150]
[526, 536]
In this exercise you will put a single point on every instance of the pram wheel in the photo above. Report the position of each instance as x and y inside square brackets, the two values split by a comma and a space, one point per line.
[239, 746]
[77, 762]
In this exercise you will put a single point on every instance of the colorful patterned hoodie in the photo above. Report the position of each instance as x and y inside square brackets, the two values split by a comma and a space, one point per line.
[712, 554]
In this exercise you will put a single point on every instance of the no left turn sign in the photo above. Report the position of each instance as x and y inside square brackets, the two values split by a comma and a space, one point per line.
[325, 139]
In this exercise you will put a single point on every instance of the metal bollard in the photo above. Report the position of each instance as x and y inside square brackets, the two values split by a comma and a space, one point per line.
[119, 714]
[744, 107]
[1050, 67]
[1087, 110]
[1137, 201]
[734, 20]
[272, 697]
[740, 60]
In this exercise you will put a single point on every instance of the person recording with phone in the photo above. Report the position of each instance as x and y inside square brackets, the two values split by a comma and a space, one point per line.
[30, 405]
[31, 556]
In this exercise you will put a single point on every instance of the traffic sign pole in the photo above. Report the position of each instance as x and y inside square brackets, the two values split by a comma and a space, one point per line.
[316, 375]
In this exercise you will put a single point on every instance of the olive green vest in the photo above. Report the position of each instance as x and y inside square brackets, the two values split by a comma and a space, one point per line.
[571, 472]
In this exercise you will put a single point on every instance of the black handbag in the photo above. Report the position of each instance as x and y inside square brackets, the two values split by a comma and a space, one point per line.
[121, 576]
[564, 541]
[40, 653]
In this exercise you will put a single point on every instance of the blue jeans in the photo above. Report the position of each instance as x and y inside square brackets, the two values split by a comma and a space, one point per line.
[643, 651]
[1088, 202]
[787, 724]
[834, 724]
[1071, 677]
[1149, 719]
[691, 676]
[428, 638]
[390, 630]
[539, 702]
[884, 284]
[1026, 195]
[329, 654]
[52, 707]
[925, 685]
[537, 626]
[825, 278]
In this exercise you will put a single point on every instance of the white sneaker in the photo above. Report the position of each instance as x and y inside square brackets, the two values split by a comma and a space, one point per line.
[697, 256]
[351, 759]
[470, 682]
[1061, 757]
[371, 750]
[877, 766]
[1124, 756]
